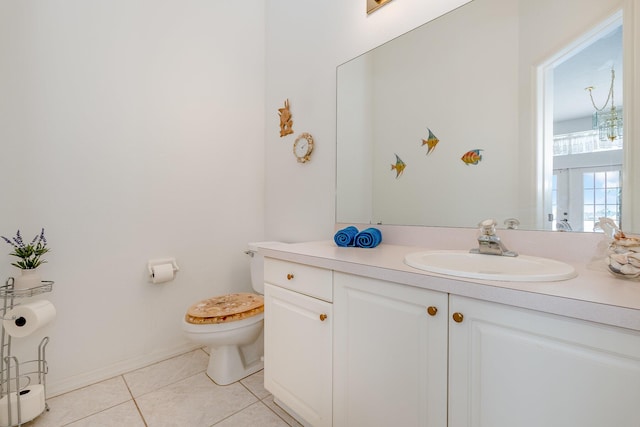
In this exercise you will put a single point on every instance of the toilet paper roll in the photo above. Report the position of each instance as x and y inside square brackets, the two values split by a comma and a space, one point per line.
[162, 273]
[25, 319]
[31, 405]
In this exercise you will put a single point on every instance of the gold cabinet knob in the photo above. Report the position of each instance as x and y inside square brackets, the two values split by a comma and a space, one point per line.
[323, 317]
[432, 310]
[289, 276]
[458, 317]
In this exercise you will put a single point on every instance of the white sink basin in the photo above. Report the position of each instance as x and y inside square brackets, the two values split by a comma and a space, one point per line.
[522, 268]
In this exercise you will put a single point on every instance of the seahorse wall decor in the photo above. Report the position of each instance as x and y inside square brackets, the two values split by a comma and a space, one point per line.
[286, 123]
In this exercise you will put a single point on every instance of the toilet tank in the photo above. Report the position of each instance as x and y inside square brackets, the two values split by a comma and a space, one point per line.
[257, 267]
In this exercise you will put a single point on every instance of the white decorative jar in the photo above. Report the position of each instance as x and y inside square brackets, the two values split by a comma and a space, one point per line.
[29, 278]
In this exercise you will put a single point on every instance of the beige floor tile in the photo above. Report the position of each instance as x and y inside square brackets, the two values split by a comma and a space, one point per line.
[125, 414]
[255, 415]
[175, 392]
[195, 401]
[255, 384]
[82, 403]
[161, 374]
[281, 412]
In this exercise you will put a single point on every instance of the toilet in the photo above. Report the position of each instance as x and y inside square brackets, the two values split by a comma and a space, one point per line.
[232, 327]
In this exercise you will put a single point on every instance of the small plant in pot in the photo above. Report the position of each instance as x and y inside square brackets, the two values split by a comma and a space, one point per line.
[30, 258]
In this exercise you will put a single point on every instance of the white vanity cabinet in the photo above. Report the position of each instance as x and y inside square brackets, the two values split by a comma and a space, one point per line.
[298, 339]
[346, 350]
[516, 367]
[390, 354]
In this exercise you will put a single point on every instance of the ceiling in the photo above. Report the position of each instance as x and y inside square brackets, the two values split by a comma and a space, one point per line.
[590, 66]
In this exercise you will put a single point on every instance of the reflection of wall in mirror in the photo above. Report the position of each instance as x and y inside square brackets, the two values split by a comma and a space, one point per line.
[444, 184]
[491, 107]
[353, 165]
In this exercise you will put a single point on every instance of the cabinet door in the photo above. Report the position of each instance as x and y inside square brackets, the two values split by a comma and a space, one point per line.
[515, 367]
[390, 354]
[297, 353]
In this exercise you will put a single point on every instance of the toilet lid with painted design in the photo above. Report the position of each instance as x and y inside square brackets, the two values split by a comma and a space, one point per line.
[225, 308]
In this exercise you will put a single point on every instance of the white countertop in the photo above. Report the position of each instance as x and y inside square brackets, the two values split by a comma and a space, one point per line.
[594, 295]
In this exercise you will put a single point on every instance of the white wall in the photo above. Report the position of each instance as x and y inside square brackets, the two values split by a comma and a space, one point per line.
[130, 130]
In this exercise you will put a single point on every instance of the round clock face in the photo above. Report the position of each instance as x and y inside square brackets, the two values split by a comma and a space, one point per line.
[302, 147]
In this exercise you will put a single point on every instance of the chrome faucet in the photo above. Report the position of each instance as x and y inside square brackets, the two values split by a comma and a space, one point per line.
[563, 225]
[512, 223]
[489, 243]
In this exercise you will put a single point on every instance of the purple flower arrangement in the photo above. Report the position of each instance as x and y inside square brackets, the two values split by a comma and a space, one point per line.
[29, 254]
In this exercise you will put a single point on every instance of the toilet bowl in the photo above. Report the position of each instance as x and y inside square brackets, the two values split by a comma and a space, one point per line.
[232, 327]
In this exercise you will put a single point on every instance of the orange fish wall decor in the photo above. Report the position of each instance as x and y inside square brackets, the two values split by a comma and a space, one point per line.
[472, 157]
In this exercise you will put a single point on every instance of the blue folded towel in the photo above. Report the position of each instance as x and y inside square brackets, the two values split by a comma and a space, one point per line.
[346, 236]
[368, 238]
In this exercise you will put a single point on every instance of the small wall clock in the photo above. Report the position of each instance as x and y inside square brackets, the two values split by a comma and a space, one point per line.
[303, 147]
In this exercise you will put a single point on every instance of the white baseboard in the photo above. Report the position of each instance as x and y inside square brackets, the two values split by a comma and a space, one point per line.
[66, 385]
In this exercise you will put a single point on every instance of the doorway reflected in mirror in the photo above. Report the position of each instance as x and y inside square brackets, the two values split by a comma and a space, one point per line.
[587, 169]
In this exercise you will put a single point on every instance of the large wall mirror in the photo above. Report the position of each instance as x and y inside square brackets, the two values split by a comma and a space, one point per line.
[484, 113]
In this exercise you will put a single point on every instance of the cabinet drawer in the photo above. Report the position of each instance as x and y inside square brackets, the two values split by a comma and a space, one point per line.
[312, 281]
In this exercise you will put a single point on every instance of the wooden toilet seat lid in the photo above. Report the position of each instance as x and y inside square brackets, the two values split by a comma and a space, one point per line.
[225, 308]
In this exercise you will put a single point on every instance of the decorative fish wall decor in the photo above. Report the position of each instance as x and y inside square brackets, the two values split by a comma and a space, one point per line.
[399, 166]
[472, 157]
[430, 142]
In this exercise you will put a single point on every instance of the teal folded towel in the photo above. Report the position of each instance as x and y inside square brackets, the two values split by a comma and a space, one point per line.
[346, 236]
[368, 238]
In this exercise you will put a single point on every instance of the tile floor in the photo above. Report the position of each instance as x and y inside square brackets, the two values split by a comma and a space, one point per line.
[175, 392]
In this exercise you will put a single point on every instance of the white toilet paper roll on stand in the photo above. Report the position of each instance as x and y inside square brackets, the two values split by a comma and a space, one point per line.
[162, 273]
[32, 404]
[25, 319]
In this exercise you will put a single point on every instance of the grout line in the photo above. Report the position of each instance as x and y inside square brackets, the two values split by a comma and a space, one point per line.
[296, 423]
[135, 402]
[103, 410]
[239, 410]
[249, 390]
[261, 400]
[140, 413]
[170, 383]
[94, 413]
[277, 415]
[235, 413]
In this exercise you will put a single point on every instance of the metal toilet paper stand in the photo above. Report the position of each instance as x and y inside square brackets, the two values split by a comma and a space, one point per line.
[15, 376]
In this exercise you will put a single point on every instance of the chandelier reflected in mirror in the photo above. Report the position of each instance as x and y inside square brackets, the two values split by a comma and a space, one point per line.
[608, 121]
